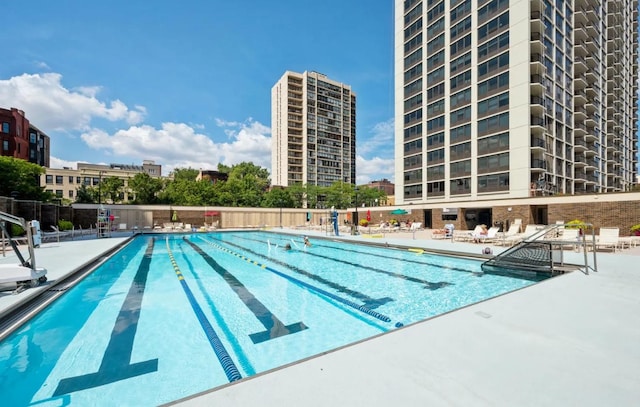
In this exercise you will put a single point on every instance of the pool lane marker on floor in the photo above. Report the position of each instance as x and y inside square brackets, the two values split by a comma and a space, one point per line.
[228, 366]
[310, 287]
[371, 303]
[116, 362]
[273, 327]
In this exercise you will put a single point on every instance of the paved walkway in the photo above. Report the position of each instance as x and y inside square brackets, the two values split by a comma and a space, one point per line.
[573, 340]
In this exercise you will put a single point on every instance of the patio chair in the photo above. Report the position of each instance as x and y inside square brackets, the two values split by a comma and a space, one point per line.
[490, 237]
[608, 238]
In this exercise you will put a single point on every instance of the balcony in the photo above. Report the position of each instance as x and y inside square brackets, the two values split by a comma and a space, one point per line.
[538, 165]
[537, 85]
[538, 143]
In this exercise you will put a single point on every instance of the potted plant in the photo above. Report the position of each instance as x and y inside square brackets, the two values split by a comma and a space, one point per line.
[364, 222]
[635, 229]
[575, 224]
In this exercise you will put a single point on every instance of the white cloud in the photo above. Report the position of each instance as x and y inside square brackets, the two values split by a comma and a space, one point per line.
[42, 65]
[51, 106]
[382, 135]
[55, 162]
[178, 145]
[374, 169]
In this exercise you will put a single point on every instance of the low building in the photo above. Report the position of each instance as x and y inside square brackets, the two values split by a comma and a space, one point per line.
[64, 182]
[20, 139]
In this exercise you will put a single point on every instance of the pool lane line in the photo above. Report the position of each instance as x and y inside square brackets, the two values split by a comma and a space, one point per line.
[310, 287]
[116, 361]
[234, 345]
[228, 366]
[274, 328]
[371, 303]
[428, 284]
[423, 263]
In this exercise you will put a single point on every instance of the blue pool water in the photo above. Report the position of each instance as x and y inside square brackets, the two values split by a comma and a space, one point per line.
[169, 316]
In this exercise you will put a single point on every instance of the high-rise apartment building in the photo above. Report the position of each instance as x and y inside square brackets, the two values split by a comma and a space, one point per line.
[514, 98]
[313, 130]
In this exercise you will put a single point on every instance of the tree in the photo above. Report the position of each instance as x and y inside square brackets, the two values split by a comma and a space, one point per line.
[22, 179]
[145, 188]
[111, 188]
[246, 186]
[340, 195]
[86, 194]
[185, 174]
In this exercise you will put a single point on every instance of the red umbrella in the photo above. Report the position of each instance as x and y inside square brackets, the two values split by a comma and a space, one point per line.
[368, 216]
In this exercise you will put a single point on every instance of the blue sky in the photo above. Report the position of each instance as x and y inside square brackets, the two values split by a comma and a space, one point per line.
[188, 84]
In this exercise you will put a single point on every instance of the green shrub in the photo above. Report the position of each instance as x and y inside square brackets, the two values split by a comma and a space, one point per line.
[17, 230]
[635, 228]
[65, 225]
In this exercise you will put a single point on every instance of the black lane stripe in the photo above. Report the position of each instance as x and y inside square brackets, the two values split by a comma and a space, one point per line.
[428, 284]
[116, 360]
[274, 328]
[371, 303]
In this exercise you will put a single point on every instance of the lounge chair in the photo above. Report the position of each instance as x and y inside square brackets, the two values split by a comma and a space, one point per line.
[490, 237]
[56, 235]
[608, 238]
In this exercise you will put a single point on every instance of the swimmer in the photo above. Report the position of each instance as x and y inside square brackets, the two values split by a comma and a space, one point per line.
[306, 241]
[287, 247]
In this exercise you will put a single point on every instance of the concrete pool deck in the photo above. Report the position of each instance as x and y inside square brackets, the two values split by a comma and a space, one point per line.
[570, 340]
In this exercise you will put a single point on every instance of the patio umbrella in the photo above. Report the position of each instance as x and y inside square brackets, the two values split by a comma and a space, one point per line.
[368, 216]
[174, 217]
[399, 212]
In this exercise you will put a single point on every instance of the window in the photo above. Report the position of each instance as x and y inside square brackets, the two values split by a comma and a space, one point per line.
[461, 63]
[493, 124]
[435, 188]
[493, 104]
[493, 144]
[413, 14]
[460, 168]
[495, 182]
[413, 116]
[435, 60]
[435, 28]
[461, 10]
[493, 26]
[59, 179]
[413, 28]
[460, 186]
[494, 84]
[435, 92]
[70, 193]
[59, 193]
[413, 131]
[413, 102]
[70, 179]
[32, 138]
[413, 43]
[493, 64]
[461, 80]
[460, 115]
[435, 156]
[412, 73]
[435, 44]
[5, 145]
[435, 140]
[493, 163]
[413, 146]
[78, 180]
[459, 134]
[412, 59]
[5, 127]
[435, 108]
[412, 88]
[435, 12]
[493, 45]
[461, 45]
[435, 76]
[435, 124]
[436, 172]
[413, 176]
[49, 179]
[413, 161]
[459, 151]
[491, 8]
[460, 28]
[96, 180]
[460, 98]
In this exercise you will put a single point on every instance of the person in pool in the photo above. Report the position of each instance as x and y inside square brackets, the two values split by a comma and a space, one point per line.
[287, 246]
[306, 241]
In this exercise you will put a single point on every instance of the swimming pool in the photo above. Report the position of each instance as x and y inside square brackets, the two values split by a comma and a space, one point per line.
[170, 316]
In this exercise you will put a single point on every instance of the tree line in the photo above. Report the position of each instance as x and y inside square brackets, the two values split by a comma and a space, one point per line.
[247, 185]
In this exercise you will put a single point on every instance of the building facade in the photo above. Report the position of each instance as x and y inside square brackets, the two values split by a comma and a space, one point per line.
[64, 182]
[20, 139]
[313, 128]
[514, 98]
